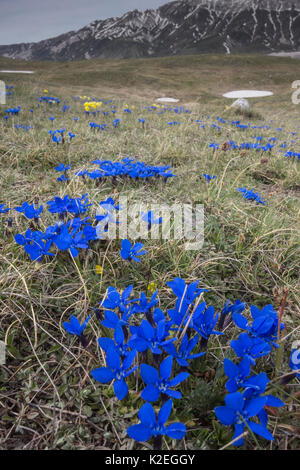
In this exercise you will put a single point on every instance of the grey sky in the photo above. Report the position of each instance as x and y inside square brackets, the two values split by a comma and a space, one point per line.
[34, 20]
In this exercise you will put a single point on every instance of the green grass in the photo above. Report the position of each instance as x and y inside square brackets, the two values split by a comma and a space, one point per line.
[250, 252]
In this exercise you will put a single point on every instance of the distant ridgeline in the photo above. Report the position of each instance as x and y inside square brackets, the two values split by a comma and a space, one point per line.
[179, 27]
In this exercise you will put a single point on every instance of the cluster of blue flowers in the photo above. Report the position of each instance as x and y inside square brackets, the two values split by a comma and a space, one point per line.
[293, 155]
[160, 346]
[157, 333]
[127, 168]
[58, 136]
[29, 210]
[95, 126]
[14, 111]
[75, 233]
[250, 145]
[72, 235]
[49, 99]
[180, 336]
[249, 403]
[20, 126]
[168, 109]
[245, 146]
[250, 195]
[64, 169]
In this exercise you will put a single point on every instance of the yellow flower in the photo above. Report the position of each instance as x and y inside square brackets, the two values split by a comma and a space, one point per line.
[151, 288]
[92, 105]
[45, 91]
[99, 269]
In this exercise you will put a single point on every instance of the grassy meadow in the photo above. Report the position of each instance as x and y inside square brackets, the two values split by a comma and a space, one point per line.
[251, 251]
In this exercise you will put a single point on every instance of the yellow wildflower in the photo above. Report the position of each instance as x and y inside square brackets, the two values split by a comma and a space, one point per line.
[99, 269]
[152, 286]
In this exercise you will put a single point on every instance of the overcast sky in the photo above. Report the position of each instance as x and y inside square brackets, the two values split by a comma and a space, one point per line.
[34, 20]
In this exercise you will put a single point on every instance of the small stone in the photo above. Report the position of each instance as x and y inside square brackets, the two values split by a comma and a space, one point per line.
[241, 104]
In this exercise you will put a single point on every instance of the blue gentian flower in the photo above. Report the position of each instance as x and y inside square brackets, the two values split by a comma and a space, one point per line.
[3, 209]
[74, 206]
[146, 337]
[59, 206]
[264, 325]
[205, 323]
[112, 320]
[184, 353]
[62, 167]
[118, 343]
[81, 173]
[79, 205]
[142, 305]
[228, 310]
[114, 300]
[256, 386]
[157, 385]
[180, 289]
[34, 245]
[186, 295]
[250, 195]
[62, 178]
[252, 348]
[56, 138]
[89, 232]
[70, 240]
[150, 219]
[104, 221]
[238, 412]
[131, 252]
[209, 178]
[74, 327]
[29, 210]
[150, 426]
[109, 205]
[214, 146]
[116, 371]
[237, 374]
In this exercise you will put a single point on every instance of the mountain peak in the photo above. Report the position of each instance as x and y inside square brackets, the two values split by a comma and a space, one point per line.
[178, 27]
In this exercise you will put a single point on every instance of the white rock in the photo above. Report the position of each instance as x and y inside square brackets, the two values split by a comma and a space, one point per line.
[16, 71]
[247, 94]
[167, 100]
[241, 104]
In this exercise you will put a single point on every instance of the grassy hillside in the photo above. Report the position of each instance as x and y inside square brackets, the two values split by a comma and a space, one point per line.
[192, 78]
[251, 251]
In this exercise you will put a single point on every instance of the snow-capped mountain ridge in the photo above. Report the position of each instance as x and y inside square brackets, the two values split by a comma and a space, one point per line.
[179, 27]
